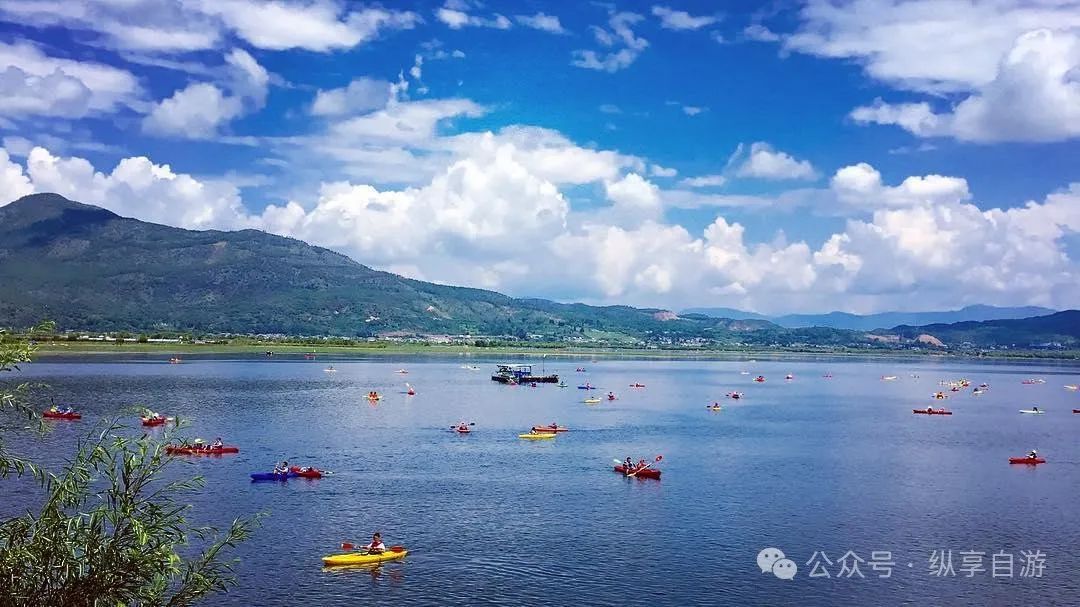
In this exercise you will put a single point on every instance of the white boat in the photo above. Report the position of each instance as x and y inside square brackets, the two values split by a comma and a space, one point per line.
[330, 369]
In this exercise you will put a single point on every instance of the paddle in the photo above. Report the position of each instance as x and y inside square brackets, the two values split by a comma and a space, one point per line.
[348, 546]
[456, 426]
[634, 473]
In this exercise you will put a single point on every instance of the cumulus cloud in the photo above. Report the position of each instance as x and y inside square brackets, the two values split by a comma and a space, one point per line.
[762, 161]
[621, 43]
[35, 84]
[200, 109]
[681, 20]
[1035, 96]
[494, 215]
[13, 182]
[136, 187]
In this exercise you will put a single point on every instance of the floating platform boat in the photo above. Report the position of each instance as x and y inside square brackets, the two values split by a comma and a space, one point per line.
[521, 374]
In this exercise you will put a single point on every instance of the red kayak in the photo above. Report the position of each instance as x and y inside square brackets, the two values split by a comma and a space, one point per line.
[646, 473]
[550, 429]
[59, 415]
[308, 473]
[1027, 460]
[462, 430]
[154, 421]
[932, 412]
[192, 450]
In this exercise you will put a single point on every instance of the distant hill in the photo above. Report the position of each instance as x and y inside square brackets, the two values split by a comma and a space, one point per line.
[869, 322]
[1059, 330]
[89, 269]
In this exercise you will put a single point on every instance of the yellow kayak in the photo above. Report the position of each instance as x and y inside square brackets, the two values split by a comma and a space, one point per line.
[537, 435]
[591, 401]
[360, 558]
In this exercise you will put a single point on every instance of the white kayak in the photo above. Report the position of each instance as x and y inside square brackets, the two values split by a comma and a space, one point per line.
[1032, 412]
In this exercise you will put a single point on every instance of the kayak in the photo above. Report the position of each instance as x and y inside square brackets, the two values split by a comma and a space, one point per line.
[586, 387]
[646, 473]
[1076, 410]
[591, 401]
[714, 408]
[59, 415]
[1026, 460]
[360, 558]
[154, 421]
[537, 435]
[760, 379]
[462, 430]
[932, 412]
[550, 429]
[191, 450]
[1032, 411]
[637, 385]
[270, 476]
[309, 473]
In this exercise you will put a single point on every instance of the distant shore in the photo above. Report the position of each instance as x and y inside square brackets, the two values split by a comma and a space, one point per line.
[53, 349]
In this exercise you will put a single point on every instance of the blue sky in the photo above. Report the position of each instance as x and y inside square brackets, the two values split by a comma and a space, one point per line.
[779, 157]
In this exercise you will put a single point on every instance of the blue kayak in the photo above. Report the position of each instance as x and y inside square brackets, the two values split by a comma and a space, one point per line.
[586, 387]
[270, 476]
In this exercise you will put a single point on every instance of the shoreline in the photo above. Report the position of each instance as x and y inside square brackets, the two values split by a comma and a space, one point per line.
[59, 349]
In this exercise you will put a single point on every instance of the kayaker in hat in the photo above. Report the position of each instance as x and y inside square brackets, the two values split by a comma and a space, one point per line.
[376, 546]
[1034, 454]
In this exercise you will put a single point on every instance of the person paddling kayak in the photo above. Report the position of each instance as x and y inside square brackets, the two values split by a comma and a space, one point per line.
[1033, 454]
[283, 468]
[376, 546]
[628, 466]
[217, 444]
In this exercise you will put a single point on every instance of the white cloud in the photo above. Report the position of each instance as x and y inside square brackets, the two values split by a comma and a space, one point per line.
[635, 193]
[318, 25]
[661, 171]
[201, 109]
[143, 25]
[456, 16]
[622, 43]
[136, 187]
[172, 26]
[926, 45]
[681, 20]
[542, 22]
[704, 181]
[610, 108]
[1034, 96]
[861, 185]
[14, 184]
[35, 84]
[693, 110]
[196, 112]
[406, 122]
[759, 33]
[764, 162]
[360, 96]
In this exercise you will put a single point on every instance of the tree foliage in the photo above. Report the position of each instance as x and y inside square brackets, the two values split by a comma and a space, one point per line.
[110, 529]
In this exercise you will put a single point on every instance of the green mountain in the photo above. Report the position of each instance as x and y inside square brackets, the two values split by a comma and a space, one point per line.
[89, 269]
[869, 322]
[1060, 330]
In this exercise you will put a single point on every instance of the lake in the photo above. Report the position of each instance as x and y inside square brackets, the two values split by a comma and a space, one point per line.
[836, 466]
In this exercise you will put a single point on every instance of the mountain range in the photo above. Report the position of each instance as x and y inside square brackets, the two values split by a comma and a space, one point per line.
[869, 322]
[89, 269]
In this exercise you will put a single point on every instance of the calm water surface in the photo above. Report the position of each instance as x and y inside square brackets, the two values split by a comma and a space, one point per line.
[812, 465]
